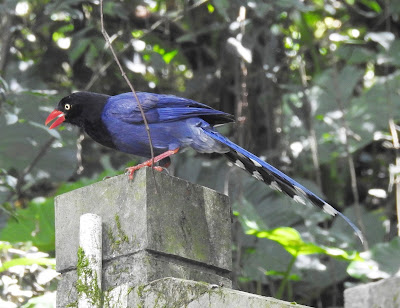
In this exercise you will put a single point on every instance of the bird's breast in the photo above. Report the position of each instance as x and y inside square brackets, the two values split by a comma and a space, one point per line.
[99, 133]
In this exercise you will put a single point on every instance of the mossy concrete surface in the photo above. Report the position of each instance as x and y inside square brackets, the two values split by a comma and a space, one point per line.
[180, 293]
[161, 213]
[380, 294]
[154, 226]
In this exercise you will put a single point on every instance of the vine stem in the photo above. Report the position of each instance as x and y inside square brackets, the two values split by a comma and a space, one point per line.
[107, 39]
[350, 161]
[307, 116]
[286, 277]
[392, 125]
[396, 146]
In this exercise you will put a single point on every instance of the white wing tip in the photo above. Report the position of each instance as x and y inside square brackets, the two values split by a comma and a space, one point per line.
[275, 185]
[329, 209]
[299, 199]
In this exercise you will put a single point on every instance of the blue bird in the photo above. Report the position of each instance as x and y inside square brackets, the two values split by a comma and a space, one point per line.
[175, 123]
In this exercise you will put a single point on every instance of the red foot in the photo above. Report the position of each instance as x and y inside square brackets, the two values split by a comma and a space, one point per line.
[148, 163]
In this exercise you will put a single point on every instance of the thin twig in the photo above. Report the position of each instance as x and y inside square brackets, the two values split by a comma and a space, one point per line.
[107, 39]
[396, 146]
[350, 161]
[243, 104]
[5, 39]
[392, 125]
[309, 123]
[39, 155]
[21, 176]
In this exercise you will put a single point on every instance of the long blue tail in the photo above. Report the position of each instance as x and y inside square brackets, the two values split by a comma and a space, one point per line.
[276, 179]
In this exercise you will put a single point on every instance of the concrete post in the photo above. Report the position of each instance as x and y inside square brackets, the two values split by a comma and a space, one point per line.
[152, 228]
[90, 260]
[165, 243]
[381, 294]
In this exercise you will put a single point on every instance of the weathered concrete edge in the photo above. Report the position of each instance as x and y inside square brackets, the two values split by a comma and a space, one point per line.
[175, 292]
[144, 169]
[383, 293]
[142, 177]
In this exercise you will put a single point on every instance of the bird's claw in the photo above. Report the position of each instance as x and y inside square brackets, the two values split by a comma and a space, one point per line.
[150, 163]
[131, 170]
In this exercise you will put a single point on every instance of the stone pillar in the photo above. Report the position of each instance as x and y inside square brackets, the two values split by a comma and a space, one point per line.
[153, 227]
[179, 293]
[381, 294]
[165, 242]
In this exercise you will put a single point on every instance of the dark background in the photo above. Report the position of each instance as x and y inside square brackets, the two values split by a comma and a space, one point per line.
[313, 85]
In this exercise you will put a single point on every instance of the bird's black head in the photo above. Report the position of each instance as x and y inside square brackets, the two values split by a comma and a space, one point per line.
[78, 109]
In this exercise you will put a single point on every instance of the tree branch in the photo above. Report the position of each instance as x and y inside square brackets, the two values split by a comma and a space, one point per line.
[107, 39]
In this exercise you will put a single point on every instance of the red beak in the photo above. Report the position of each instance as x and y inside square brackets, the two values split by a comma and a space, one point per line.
[55, 114]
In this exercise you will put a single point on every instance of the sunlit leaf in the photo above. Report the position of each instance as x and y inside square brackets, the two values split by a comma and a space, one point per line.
[382, 261]
[36, 223]
[292, 242]
[168, 56]
[292, 277]
[27, 261]
[137, 33]
[11, 118]
[374, 5]
[48, 300]
[385, 39]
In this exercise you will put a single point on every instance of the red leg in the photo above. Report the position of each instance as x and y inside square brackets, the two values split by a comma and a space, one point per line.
[149, 162]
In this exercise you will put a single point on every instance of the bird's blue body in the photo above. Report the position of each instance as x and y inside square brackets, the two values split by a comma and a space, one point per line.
[174, 123]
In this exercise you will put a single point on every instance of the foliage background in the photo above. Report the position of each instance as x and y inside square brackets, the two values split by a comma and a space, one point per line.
[313, 84]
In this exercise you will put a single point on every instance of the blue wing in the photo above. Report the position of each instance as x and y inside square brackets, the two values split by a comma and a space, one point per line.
[160, 108]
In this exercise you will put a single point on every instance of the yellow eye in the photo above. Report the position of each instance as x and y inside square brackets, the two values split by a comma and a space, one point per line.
[67, 106]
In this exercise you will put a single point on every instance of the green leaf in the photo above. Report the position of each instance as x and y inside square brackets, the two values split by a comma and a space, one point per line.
[35, 224]
[47, 300]
[22, 141]
[382, 261]
[168, 56]
[115, 9]
[292, 4]
[292, 242]
[222, 7]
[354, 54]
[137, 33]
[77, 50]
[292, 277]
[66, 28]
[27, 261]
[372, 5]
[11, 118]
[393, 53]
[5, 245]
[394, 6]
